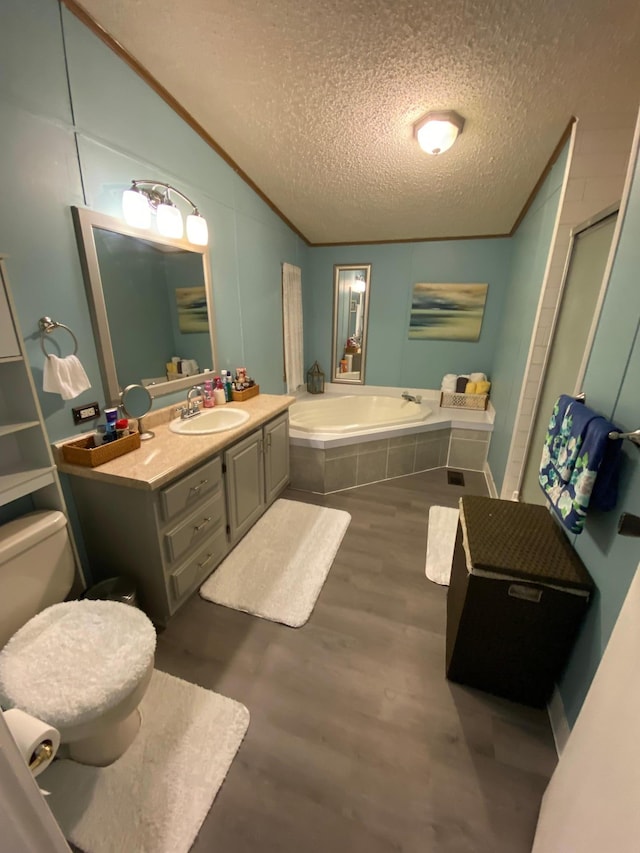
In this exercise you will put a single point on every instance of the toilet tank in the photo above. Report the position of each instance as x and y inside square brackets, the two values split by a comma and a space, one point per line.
[37, 567]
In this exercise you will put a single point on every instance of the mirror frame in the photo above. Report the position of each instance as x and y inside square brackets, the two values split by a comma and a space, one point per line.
[85, 220]
[337, 269]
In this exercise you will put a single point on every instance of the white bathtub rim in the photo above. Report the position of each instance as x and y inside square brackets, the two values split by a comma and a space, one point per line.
[399, 416]
[439, 419]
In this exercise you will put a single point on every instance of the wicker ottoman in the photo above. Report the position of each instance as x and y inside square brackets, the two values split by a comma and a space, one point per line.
[517, 595]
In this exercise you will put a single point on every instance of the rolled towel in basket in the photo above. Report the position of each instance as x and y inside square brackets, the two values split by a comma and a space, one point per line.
[461, 384]
[482, 387]
[477, 377]
[470, 388]
[449, 382]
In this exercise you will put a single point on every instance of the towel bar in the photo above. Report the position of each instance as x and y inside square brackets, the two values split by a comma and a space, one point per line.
[47, 325]
[632, 436]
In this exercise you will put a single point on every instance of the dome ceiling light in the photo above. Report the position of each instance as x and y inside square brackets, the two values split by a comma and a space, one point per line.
[437, 131]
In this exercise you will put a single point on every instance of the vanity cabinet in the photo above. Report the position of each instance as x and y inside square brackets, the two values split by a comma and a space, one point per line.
[257, 470]
[28, 474]
[168, 540]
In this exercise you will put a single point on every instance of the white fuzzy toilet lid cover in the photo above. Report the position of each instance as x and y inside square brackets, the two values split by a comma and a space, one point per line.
[76, 660]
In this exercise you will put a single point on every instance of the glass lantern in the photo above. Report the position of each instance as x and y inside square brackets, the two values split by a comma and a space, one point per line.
[315, 379]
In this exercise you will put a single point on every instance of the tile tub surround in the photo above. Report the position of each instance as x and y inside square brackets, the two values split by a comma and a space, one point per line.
[449, 437]
[161, 459]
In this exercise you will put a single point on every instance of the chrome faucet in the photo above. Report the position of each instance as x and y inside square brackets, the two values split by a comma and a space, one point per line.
[193, 407]
[412, 399]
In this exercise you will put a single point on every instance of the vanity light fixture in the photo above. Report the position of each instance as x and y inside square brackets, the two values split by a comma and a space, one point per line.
[146, 197]
[437, 131]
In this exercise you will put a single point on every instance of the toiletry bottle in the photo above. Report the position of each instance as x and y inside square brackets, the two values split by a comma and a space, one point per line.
[218, 393]
[207, 396]
[228, 389]
[111, 416]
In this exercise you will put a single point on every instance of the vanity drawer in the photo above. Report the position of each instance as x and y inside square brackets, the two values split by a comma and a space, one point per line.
[198, 526]
[197, 568]
[191, 488]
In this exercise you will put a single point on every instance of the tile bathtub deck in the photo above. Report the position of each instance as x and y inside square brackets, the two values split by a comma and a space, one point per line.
[357, 742]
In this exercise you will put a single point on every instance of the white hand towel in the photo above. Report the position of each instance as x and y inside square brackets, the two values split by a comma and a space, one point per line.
[64, 376]
[477, 377]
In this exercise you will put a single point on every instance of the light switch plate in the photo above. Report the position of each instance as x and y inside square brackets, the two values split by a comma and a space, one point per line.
[88, 412]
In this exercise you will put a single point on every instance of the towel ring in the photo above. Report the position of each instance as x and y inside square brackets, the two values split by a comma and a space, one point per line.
[47, 325]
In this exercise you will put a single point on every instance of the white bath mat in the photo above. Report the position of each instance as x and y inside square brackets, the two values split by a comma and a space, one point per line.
[441, 538]
[154, 798]
[279, 568]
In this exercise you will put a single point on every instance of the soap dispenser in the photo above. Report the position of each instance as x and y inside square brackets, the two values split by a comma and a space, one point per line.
[207, 396]
[218, 392]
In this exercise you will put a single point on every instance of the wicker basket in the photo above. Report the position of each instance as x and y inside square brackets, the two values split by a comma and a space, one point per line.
[241, 396]
[84, 451]
[452, 400]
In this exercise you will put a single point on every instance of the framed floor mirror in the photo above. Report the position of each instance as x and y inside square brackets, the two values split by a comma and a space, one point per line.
[351, 285]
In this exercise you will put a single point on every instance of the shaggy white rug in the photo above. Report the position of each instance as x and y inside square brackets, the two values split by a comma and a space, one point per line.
[154, 798]
[278, 569]
[441, 538]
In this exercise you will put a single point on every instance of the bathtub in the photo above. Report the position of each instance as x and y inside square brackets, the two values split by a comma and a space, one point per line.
[355, 414]
[338, 441]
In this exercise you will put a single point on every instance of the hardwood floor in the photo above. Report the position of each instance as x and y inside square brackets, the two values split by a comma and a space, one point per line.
[357, 742]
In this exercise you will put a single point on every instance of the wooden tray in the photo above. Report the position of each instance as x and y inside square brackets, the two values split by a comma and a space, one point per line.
[85, 451]
[241, 396]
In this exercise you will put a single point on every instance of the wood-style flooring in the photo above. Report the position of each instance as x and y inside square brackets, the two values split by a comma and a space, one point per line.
[357, 742]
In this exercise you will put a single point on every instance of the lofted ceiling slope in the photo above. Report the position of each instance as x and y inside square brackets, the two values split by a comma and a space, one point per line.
[315, 101]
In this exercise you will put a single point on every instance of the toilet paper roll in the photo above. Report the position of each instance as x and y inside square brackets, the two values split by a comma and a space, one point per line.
[37, 741]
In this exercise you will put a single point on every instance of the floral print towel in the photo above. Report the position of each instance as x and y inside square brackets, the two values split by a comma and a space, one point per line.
[579, 463]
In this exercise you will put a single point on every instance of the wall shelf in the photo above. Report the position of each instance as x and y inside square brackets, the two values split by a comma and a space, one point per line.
[10, 429]
[27, 469]
[17, 484]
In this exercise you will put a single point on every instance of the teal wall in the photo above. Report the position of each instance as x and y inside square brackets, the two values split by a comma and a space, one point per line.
[79, 140]
[530, 251]
[612, 385]
[392, 359]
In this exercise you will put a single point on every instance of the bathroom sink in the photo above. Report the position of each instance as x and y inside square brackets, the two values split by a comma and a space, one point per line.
[214, 420]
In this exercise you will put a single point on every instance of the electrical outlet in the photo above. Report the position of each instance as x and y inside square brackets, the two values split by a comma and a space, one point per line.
[85, 413]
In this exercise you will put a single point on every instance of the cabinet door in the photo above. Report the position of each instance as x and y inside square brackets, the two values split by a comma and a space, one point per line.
[276, 459]
[245, 484]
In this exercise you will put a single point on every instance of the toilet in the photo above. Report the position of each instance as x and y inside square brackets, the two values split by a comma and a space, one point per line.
[80, 666]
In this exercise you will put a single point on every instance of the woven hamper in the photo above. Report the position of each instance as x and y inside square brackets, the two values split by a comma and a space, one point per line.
[517, 595]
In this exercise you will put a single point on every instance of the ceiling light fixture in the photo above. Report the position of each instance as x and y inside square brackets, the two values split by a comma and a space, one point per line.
[139, 202]
[437, 131]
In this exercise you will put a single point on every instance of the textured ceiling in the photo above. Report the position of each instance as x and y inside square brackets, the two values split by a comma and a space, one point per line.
[315, 101]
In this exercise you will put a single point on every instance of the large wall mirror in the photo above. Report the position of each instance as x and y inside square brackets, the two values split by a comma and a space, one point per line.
[351, 285]
[151, 305]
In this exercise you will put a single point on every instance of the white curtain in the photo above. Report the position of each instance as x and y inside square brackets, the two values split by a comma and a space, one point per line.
[292, 324]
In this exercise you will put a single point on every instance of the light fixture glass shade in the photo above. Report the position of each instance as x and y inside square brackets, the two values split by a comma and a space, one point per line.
[437, 132]
[135, 209]
[169, 221]
[197, 231]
